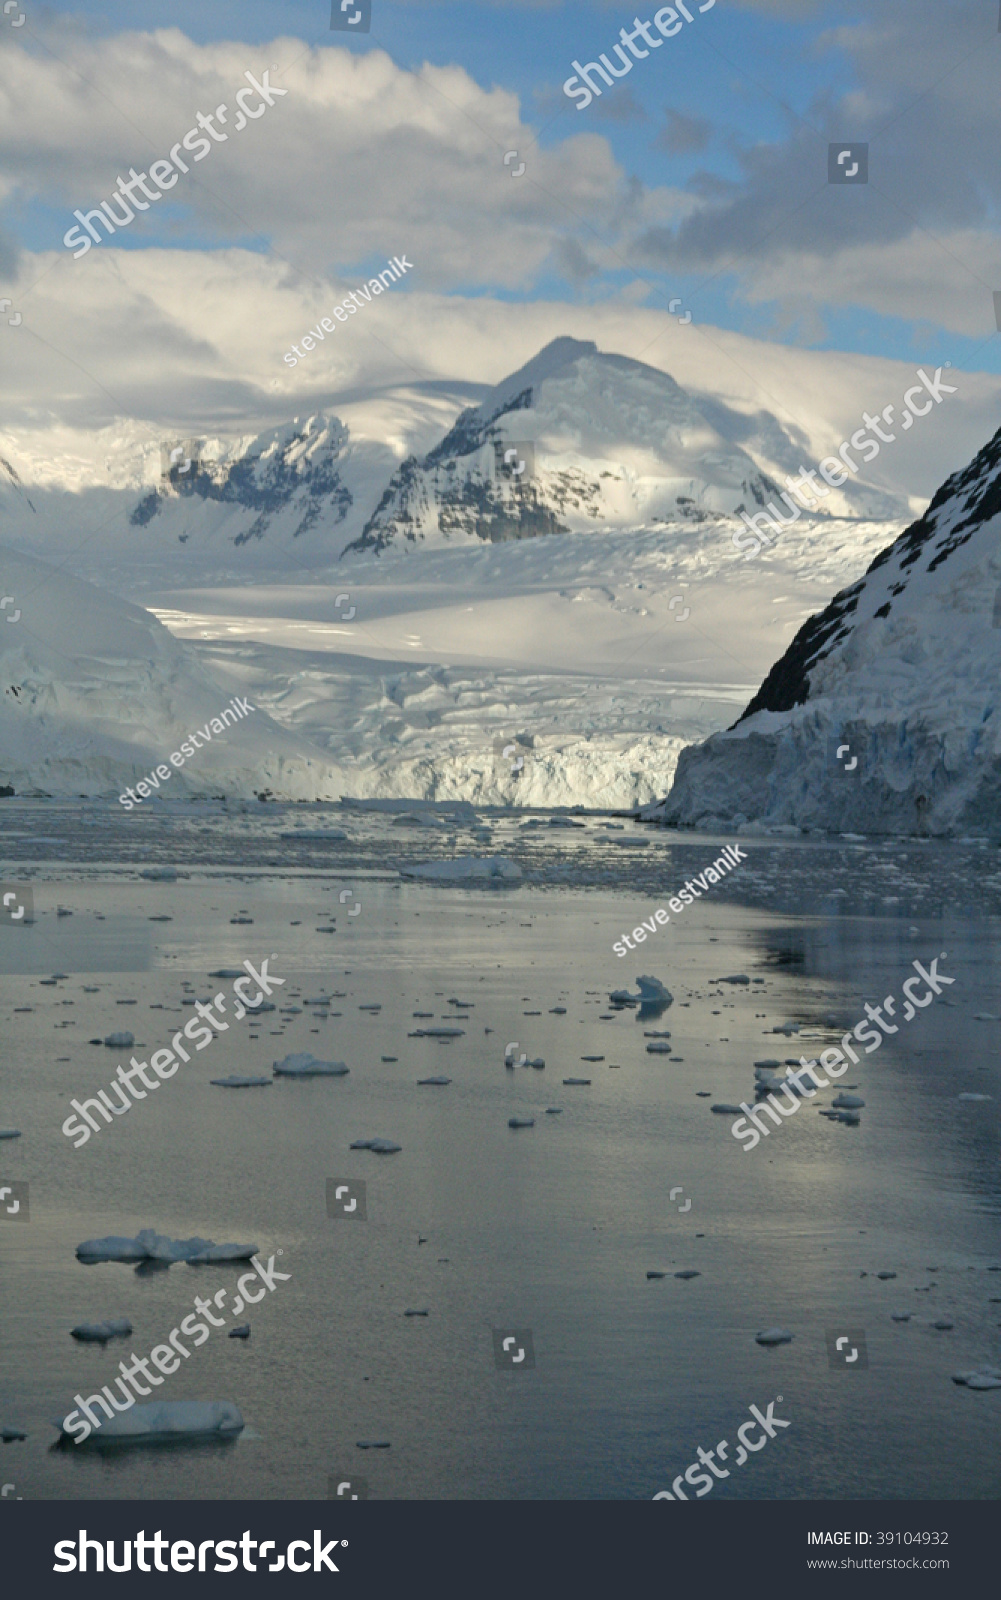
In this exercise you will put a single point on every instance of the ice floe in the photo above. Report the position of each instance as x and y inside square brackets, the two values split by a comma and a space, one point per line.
[234, 1081]
[984, 1378]
[120, 1041]
[774, 1336]
[466, 869]
[167, 1419]
[303, 1065]
[101, 1332]
[148, 1245]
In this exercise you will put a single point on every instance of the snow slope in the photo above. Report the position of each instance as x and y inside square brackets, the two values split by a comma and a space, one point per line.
[97, 692]
[882, 715]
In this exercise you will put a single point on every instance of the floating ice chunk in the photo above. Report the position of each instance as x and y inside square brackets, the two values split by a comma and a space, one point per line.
[148, 1245]
[554, 1111]
[944, 1325]
[659, 1047]
[423, 1313]
[159, 874]
[723, 1109]
[656, 1274]
[564, 822]
[242, 1332]
[848, 1102]
[9, 1435]
[886, 1275]
[167, 1419]
[689, 1272]
[10, 1133]
[652, 993]
[372, 1444]
[984, 1016]
[577, 1080]
[976, 1097]
[901, 1316]
[788, 1028]
[101, 1332]
[419, 819]
[774, 1336]
[303, 1065]
[120, 1041]
[769, 1065]
[382, 1147]
[234, 1081]
[466, 869]
[985, 1378]
[227, 972]
[521, 1122]
[436, 1033]
[737, 977]
[436, 1081]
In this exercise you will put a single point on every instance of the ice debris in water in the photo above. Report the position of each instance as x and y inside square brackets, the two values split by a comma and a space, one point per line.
[984, 1378]
[242, 1332]
[10, 1133]
[120, 1041]
[774, 1336]
[521, 1122]
[168, 1419]
[159, 874]
[234, 1081]
[9, 1435]
[101, 1332]
[303, 1065]
[382, 1147]
[148, 1245]
[466, 869]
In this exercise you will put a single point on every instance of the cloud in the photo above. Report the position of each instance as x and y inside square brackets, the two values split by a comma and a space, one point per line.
[920, 238]
[357, 160]
[682, 135]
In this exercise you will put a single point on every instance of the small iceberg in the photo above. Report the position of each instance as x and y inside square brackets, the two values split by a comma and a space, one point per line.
[11, 1435]
[303, 1065]
[653, 998]
[774, 1336]
[101, 1332]
[10, 1133]
[120, 1041]
[234, 1081]
[984, 1378]
[689, 1272]
[521, 1122]
[495, 870]
[148, 1245]
[167, 1419]
[382, 1147]
[242, 1332]
[848, 1102]
[659, 1047]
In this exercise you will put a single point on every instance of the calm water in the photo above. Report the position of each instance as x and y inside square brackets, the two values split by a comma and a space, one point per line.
[551, 1228]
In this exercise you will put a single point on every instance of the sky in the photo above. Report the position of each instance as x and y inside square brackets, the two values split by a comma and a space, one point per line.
[696, 188]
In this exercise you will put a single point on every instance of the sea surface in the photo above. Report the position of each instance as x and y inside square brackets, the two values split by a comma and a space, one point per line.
[551, 1228]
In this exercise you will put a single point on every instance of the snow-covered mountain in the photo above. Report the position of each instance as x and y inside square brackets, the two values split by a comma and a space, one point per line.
[883, 714]
[609, 441]
[96, 693]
